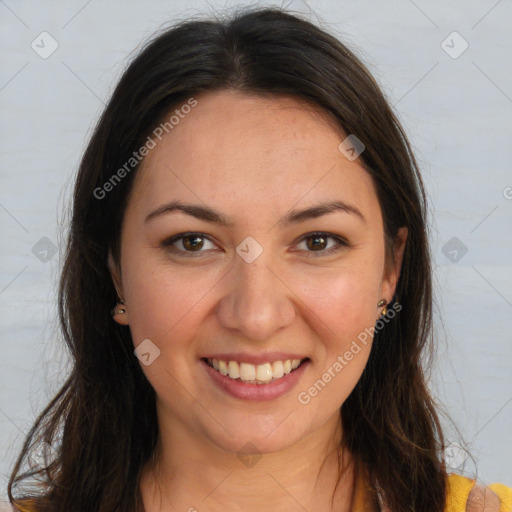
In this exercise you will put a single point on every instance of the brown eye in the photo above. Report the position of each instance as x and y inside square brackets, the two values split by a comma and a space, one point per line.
[322, 244]
[316, 242]
[188, 244]
[192, 242]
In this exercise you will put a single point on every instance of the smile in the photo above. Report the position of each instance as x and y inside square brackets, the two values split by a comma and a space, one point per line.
[255, 374]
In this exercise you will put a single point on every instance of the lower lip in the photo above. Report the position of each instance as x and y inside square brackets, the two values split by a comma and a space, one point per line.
[246, 391]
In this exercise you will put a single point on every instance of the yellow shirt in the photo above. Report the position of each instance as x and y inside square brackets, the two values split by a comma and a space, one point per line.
[457, 492]
[460, 486]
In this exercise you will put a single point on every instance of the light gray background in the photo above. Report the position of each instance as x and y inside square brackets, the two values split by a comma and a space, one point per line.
[457, 112]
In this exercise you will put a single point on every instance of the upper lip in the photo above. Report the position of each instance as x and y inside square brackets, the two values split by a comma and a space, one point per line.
[267, 357]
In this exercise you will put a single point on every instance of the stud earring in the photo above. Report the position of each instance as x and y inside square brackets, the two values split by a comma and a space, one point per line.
[121, 310]
[380, 304]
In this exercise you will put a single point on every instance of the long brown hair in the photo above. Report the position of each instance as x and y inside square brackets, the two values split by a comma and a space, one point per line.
[102, 423]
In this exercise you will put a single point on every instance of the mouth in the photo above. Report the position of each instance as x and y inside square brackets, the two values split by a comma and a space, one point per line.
[262, 374]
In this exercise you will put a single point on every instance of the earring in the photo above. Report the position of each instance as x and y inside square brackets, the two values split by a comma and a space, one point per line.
[383, 302]
[119, 310]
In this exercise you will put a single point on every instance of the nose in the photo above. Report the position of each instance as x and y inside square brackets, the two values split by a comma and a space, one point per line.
[258, 303]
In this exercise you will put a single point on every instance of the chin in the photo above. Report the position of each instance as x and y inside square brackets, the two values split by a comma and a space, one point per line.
[266, 434]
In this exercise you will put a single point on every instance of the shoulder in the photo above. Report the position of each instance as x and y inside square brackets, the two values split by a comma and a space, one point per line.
[466, 494]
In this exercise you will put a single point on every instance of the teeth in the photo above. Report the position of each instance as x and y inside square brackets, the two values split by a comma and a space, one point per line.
[234, 369]
[260, 374]
[277, 369]
[264, 372]
[223, 367]
[247, 371]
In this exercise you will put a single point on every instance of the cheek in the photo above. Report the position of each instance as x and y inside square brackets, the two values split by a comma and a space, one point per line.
[343, 301]
[164, 301]
[167, 307]
[343, 311]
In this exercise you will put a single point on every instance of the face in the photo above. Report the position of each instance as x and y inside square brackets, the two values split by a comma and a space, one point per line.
[252, 244]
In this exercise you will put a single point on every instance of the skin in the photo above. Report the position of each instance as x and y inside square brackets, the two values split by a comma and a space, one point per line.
[254, 160]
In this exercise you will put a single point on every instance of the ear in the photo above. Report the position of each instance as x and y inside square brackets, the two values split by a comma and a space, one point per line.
[121, 319]
[392, 270]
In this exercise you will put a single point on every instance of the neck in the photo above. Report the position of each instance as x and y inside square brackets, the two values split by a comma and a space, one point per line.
[190, 473]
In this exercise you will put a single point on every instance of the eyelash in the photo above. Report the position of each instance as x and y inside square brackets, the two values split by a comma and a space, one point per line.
[340, 243]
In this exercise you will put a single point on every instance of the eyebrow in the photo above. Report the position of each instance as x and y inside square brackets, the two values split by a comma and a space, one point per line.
[295, 216]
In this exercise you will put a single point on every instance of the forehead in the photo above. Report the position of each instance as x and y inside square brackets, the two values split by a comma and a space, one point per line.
[233, 149]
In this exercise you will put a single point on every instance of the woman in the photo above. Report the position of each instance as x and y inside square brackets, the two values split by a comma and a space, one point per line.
[250, 208]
